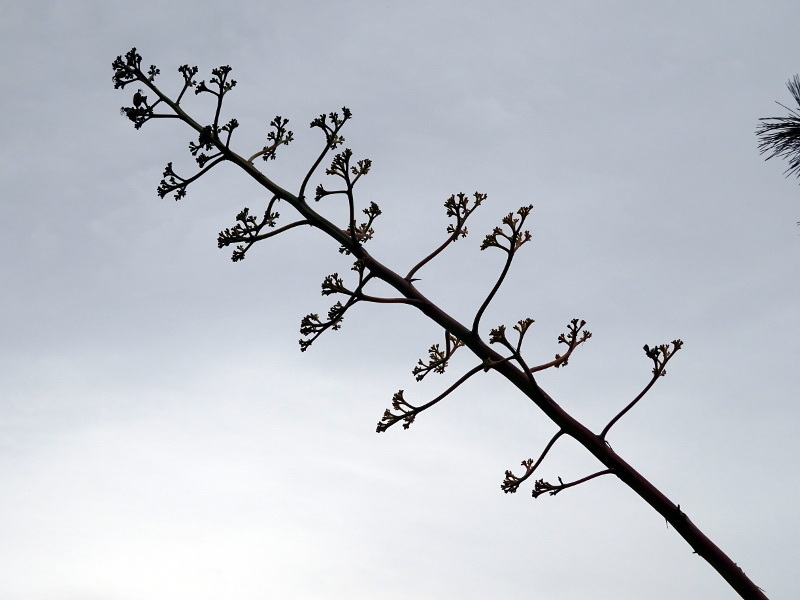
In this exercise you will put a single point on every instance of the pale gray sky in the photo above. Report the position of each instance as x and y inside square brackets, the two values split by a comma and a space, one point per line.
[161, 435]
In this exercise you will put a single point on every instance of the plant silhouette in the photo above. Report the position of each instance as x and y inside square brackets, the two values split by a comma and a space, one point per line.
[500, 351]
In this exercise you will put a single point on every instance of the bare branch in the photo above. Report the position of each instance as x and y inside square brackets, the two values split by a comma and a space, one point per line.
[543, 487]
[188, 80]
[312, 325]
[516, 238]
[210, 149]
[247, 230]
[333, 138]
[280, 137]
[571, 340]
[660, 355]
[460, 209]
[172, 182]
[407, 412]
[438, 358]
[511, 483]
[223, 85]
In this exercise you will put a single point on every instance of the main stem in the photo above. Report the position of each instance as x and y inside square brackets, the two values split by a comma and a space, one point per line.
[594, 443]
[699, 542]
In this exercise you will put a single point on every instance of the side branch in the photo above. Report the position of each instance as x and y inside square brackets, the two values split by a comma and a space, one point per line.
[543, 487]
[311, 325]
[571, 339]
[516, 238]
[430, 257]
[279, 137]
[407, 412]
[660, 356]
[263, 236]
[226, 239]
[458, 207]
[377, 300]
[437, 358]
[172, 182]
[511, 483]
[332, 140]
[476, 322]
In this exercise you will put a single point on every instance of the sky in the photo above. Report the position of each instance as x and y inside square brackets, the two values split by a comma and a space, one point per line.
[163, 437]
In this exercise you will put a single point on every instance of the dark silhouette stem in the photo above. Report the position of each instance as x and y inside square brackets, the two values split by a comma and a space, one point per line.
[630, 406]
[452, 388]
[523, 380]
[564, 486]
[498, 283]
[525, 383]
[432, 255]
[594, 443]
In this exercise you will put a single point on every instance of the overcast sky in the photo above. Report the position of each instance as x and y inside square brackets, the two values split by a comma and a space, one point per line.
[162, 436]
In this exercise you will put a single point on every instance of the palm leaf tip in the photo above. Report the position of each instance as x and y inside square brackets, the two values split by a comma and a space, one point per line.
[780, 136]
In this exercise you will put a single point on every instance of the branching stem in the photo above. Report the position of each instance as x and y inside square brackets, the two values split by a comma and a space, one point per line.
[511, 483]
[263, 236]
[128, 70]
[660, 356]
[632, 403]
[453, 236]
[543, 487]
[487, 301]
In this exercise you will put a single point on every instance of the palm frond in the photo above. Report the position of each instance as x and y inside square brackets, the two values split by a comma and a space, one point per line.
[780, 136]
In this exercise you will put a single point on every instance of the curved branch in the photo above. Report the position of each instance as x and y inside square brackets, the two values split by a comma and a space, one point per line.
[377, 300]
[332, 140]
[487, 301]
[543, 487]
[515, 240]
[511, 483]
[314, 167]
[437, 359]
[632, 403]
[172, 182]
[241, 250]
[431, 256]
[571, 340]
[660, 356]
[408, 412]
[457, 206]
[264, 236]
[312, 325]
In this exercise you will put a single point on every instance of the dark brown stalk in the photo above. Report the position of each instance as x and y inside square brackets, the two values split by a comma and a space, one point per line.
[522, 379]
